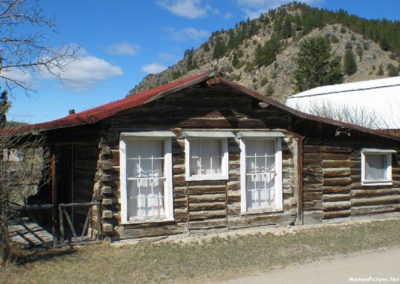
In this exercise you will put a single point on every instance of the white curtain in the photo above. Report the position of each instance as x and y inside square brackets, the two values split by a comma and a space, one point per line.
[205, 156]
[260, 173]
[145, 160]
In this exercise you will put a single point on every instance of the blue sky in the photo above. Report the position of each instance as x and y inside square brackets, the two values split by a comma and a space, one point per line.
[121, 41]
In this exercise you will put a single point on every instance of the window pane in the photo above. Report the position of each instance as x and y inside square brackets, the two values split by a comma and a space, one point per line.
[205, 157]
[375, 166]
[145, 176]
[260, 173]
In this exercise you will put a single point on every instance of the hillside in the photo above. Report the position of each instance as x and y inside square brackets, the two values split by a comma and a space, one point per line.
[261, 53]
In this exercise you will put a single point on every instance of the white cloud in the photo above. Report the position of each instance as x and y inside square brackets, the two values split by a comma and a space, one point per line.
[84, 72]
[191, 9]
[124, 48]
[153, 68]
[253, 8]
[21, 77]
[187, 34]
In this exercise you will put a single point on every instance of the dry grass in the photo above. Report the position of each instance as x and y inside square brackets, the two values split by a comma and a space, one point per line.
[212, 258]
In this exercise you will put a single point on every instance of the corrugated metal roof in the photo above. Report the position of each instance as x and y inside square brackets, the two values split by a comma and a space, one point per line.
[361, 86]
[373, 103]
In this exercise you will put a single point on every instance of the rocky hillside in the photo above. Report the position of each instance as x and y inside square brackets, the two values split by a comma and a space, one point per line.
[277, 36]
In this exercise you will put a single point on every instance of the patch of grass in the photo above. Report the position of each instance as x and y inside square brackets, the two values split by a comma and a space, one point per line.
[208, 259]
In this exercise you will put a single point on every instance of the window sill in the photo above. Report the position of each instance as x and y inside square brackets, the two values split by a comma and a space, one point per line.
[261, 211]
[207, 177]
[146, 221]
[375, 183]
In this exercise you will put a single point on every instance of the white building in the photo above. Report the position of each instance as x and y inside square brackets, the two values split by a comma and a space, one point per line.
[373, 104]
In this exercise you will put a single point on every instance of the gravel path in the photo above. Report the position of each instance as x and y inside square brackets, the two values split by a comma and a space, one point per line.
[381, 266]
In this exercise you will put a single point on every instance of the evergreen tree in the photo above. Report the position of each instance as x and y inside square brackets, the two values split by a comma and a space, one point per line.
[316, 65]
[349, 64]
[4, 106]
[219, 48]
[235, 60]
[287, 30]
[266, 54]
[190, 61]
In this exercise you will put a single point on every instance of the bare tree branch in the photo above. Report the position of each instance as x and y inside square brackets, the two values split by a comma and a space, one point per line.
[28, 52]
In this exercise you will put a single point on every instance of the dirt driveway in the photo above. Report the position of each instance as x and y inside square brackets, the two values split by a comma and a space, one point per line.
[381, 266]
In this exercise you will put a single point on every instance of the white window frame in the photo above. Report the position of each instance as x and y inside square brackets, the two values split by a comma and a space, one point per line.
[222, 136]
[165, 136]
[271, 136]
[388, 153]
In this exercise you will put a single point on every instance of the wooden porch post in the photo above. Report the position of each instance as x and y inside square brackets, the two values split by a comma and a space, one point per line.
[54, 200]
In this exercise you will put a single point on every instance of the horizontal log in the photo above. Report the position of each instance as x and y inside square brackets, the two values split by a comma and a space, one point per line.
[312, 205]
[335, 189]
[311, 149]
[337, 181]
[233, 198]
[233, 186]
[181, 214]
[261, 219]
[337, 172]
[336, 197]
[336, 149]
[312, 168]
[180, 203]
[334, 156]
[206, 189]
[204, 215]
[312, 187]
[206, 198]
[313, 195]
[336, 164]
[371, 210]
[374, 192]
[390, 199]
[156, 230]
[312, 179]
[209, 224]
[336, 206]
[337, 214]
[207, 206]
[234, 209]
[312, 156]
[178, 170]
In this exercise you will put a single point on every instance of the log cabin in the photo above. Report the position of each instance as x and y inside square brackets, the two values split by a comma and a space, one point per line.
[204, 153]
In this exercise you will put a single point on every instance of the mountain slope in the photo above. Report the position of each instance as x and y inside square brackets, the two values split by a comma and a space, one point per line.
[261, 53]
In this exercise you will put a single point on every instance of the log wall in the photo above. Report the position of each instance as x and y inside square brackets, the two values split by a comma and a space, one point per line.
[332, 185]
[198, 205]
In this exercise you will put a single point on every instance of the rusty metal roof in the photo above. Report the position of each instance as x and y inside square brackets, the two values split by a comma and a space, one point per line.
[100, 113]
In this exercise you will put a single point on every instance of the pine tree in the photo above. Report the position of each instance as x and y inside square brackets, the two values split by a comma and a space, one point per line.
[219, 48]
[316, 65]
[349, 64]
[4, 106]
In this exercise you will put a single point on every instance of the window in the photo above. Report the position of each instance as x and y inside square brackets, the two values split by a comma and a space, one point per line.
[376, 166]
[261, 171]
[146, 176]
[206, 155]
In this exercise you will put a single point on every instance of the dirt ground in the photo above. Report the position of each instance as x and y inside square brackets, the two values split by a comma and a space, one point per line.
[382, 266]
